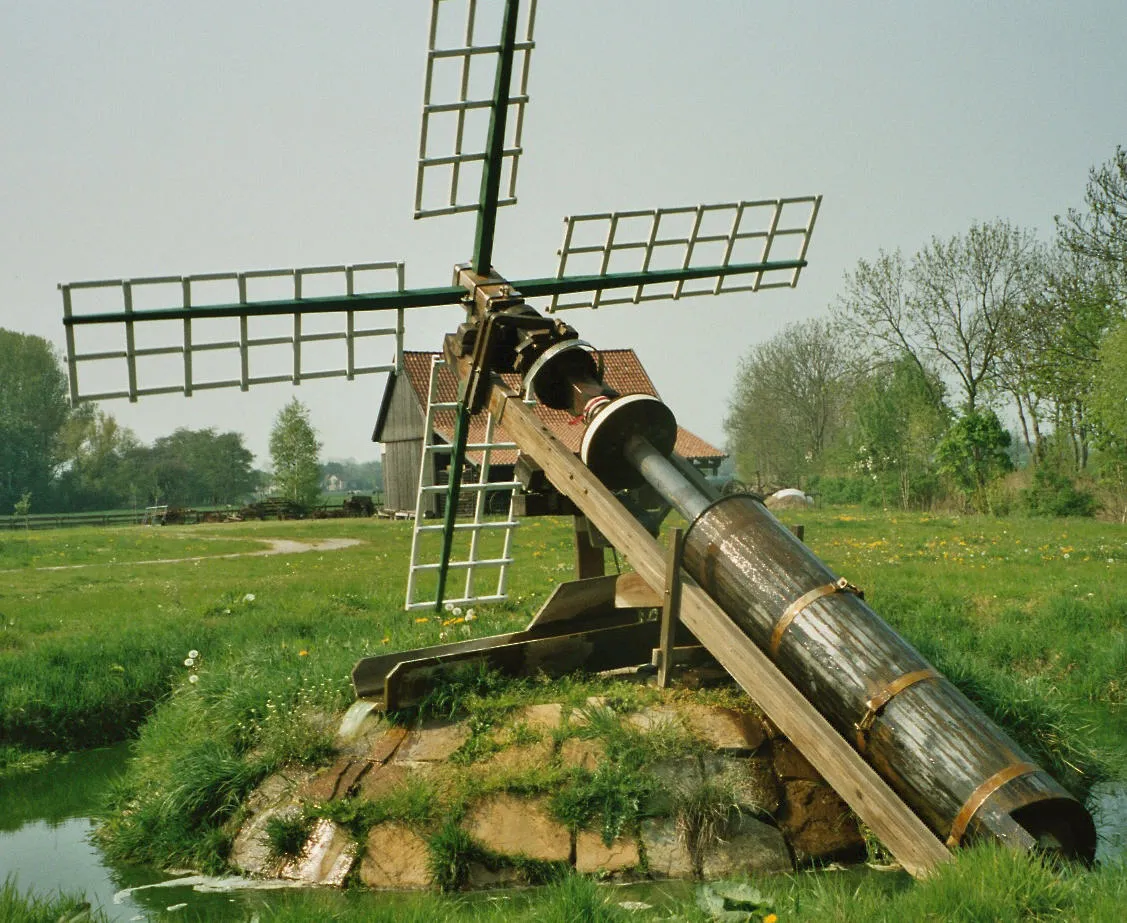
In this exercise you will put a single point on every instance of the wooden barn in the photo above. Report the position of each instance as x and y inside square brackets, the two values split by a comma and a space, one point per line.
[402, 419]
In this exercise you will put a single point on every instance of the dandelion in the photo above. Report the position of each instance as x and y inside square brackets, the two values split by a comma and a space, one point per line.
[469, 615]
[303, 653]
[420, 621]
[457, 610]
[189, 662]
[193, 654]
[386, 640]
[771, 918]
[449, 607]
[193, 679]
[249, 598]
[442, 636]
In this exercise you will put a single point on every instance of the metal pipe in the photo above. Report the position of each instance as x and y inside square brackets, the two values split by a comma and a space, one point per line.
[673, 486]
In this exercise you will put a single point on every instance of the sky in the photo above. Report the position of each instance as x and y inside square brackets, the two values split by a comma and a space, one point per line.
[144, 138]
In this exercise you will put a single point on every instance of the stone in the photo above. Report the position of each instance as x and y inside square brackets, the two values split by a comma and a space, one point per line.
[540, 718]
[790, 764]
[381, 780]
[433, 741]
[512, 826]
[396, 859]
[751, 779]
[386, 745]
[481, 876]
[817, 823]
[335, 782]
[593, 855]
[581, 753]
[327, 857]
[250, 850]
[725, 729]
[655, 717]
[748, 847]
[666, 853]
[518, 759]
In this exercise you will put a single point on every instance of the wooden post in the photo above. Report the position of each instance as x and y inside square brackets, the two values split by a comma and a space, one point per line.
[918, 850]
[590, 560]
[671, 610]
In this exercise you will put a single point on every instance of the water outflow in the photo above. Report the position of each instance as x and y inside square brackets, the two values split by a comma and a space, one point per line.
[964, 776]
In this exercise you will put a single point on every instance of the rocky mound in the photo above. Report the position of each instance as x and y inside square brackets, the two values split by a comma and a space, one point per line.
[677, 789]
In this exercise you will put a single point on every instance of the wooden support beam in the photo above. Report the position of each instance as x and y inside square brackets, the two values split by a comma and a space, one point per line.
[918, 850]
[590, 559]
[671, 610]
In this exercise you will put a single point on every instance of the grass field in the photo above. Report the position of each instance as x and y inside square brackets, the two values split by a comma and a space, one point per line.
[1029, 617]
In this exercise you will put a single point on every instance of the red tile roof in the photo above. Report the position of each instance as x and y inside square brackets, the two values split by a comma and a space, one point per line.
[622, 371]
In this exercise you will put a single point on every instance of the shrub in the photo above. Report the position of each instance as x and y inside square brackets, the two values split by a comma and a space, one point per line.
[1054, 494]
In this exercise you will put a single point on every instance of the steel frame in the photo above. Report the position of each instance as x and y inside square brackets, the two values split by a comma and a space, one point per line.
[190, 344]
[430, 164]
[777, 224]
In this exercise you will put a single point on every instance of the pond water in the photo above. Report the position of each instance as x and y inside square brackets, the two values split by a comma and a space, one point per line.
[45, 826]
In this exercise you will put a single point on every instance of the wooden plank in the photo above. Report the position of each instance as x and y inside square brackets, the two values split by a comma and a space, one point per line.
[575, 606]
[916, 848]
[554, 655]
[671, 611]
[590, 597]
[589, 560]
[631, 591]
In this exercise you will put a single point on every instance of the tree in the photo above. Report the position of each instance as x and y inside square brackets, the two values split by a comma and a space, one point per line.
[1049, 360]
[33, 409]
[1100, 233]
[99, 462]
[1109, 389]
[951, 305]
[788, 402]
[899, 421]
[973, 453]
[294, 451]
[200, 467]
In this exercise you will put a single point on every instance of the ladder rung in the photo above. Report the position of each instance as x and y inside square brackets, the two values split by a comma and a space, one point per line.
[490, 485]
[472, 446]
[471, 600]
[465, 565]
[472, 526]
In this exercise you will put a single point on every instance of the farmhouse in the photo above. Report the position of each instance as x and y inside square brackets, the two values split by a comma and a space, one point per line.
[402, 421]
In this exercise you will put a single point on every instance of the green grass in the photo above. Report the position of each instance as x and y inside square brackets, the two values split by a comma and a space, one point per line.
[17, 906]
[1029, 617]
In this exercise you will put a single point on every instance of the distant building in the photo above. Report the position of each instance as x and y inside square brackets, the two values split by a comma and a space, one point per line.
[333, 484]
[402, 418]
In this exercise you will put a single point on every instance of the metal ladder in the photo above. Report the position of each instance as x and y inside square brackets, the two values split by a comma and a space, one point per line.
[472, 562]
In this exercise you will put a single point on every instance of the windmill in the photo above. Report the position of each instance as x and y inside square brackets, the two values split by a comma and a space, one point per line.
[221, 330]
[916, 760]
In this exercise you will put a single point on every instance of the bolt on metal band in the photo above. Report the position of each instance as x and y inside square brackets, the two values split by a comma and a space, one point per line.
[876, 703]
[839, 586]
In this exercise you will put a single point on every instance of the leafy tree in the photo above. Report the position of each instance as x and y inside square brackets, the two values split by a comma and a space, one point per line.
[900, 418]
[33, 409]
[100, 469]
[1100, 232]
[1049, 359]
[788, 403]
[294, 452]
[200, 467]
[973, 453]
[1108, 392]
[950, 305]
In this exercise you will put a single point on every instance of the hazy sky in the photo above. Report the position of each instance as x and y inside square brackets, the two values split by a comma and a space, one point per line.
[148, 138]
